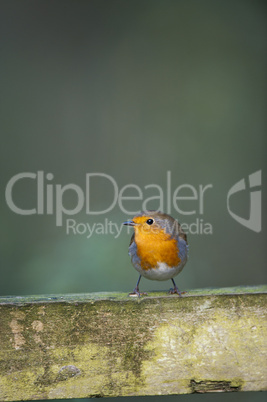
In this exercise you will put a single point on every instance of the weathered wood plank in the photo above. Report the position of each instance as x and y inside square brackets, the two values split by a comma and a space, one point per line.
[108, 344]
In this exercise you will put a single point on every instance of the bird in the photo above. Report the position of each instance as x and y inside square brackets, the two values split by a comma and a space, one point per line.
[158, 248]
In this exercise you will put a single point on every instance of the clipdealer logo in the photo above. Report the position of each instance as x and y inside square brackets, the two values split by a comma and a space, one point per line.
[50, 201]
[254, 221]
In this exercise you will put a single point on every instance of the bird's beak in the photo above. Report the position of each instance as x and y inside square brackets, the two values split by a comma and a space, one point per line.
[129, 223]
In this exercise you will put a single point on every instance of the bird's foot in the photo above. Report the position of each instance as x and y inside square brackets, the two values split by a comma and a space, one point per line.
[175, 290]
[136, 293]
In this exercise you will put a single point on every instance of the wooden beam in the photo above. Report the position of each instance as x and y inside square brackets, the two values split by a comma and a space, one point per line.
[110, 344]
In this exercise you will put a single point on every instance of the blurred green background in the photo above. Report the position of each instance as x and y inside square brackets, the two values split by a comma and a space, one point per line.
[132, 89]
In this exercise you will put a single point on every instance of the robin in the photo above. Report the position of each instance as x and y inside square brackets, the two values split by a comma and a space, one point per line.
[158, 248]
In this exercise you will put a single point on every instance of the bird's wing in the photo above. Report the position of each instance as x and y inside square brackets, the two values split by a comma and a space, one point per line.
[132, 240]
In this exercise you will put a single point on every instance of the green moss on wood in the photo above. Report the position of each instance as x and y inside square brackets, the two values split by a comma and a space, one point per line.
[119, 296]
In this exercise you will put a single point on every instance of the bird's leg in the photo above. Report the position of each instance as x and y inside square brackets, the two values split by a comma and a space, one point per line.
[175, 290]
[136, 292]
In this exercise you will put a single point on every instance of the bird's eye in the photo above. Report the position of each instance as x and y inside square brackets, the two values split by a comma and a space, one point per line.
[150, 221]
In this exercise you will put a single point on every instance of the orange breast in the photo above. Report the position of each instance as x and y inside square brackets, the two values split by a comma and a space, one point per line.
[153, 248]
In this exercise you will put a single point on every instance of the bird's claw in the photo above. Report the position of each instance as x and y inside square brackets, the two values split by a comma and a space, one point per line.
[136, 293]
[175, 290]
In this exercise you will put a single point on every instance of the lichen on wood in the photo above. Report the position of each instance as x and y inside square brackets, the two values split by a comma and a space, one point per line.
[109, 344]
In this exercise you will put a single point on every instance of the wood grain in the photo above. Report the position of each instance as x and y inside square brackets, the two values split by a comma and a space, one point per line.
[109, 344]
